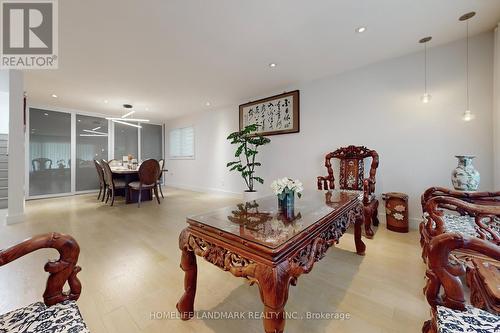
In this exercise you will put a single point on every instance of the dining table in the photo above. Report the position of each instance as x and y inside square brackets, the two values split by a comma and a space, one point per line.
[131, 174]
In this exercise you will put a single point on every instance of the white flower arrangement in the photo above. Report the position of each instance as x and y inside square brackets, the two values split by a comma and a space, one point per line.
[287, 185]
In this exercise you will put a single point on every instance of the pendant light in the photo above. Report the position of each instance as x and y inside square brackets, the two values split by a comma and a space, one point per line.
[426, 97]
[468, 115]
[125, 120]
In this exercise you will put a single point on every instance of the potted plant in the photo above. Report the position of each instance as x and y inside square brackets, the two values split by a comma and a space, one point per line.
[248, 141]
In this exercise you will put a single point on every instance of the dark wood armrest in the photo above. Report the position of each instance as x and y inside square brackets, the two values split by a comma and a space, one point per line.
[60, 271]
[441, 273]
[479, 212]
[368, 188]
[472, 197]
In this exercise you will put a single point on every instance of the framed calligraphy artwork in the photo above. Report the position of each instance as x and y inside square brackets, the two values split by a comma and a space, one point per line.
[275, 115]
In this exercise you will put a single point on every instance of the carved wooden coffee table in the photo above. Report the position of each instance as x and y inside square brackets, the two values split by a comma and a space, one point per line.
[254, 241]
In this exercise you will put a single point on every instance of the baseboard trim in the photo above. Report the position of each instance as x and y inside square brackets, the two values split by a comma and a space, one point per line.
[205, 190]
[14, 219]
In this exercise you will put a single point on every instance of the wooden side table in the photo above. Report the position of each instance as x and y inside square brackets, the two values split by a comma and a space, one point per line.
[483, 279]
[396, 210]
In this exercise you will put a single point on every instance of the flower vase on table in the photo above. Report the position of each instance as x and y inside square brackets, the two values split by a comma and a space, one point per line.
[285, 190]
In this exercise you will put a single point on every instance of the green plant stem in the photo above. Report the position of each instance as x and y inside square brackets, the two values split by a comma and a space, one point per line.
[249, 182]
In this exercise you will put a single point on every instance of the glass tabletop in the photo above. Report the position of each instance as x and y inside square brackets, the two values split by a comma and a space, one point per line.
[261, 222]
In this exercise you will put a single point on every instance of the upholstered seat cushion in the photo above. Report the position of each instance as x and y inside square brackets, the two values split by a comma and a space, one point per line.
[361, 194]
[466, 225]
[119, 183]
[472, 320]
[36, 318]
[135, 185]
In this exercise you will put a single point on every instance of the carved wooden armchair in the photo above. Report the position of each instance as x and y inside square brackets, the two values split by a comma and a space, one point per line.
[473, 215]
[59, 312]
[351, 178]
[444, 289]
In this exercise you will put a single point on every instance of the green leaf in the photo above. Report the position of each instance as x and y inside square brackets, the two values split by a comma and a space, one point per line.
[238, 151]
[235, 167]
[232, 163]
[260, 180]
[250, 128]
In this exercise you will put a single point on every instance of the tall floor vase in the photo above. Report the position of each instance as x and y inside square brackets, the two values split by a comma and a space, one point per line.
[465, 177]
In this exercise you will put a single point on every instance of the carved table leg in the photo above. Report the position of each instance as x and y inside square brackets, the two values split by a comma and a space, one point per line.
[368, 212]
[273, 286]
[185, 306]
[358, 222]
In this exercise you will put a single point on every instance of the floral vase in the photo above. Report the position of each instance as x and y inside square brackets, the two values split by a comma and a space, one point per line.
[286, 204]
[465, 177]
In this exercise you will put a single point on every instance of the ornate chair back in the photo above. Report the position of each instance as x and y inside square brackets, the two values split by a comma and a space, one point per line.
[352, 169]
[149, 172]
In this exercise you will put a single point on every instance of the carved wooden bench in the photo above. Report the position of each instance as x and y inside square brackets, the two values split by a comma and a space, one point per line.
[444, 290]
[58, 313]
[472, 214]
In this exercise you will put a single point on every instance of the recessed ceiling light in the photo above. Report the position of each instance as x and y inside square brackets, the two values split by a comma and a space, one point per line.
[54, 95]
[146, 109]
[207, 104]
[46, 114]
[360, 30]
[105, 101]
[273, 65]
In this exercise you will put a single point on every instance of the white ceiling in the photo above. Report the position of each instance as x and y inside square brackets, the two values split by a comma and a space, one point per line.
[173, 56]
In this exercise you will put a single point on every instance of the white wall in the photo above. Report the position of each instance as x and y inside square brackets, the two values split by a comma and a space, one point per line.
[496, 106]
[15, 213]
[377, 106]
[4, 101]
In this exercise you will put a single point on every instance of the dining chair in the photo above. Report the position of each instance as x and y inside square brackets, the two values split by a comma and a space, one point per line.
[102, 183]
[148, 179]
[40, 164]
[111, 184]
[162, 165]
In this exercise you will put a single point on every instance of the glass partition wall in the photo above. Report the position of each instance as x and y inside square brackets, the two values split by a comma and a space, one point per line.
[91, 144]
[151, 141]
[49, 159]
[126, 141]
[63, 146]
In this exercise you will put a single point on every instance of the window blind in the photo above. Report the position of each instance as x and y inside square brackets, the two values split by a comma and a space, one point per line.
[182, 142]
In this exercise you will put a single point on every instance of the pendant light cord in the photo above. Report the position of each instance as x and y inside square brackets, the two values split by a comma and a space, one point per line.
[425, 68]
[467, 69]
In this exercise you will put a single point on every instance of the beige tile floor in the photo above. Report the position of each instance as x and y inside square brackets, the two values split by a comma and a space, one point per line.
[130, 262]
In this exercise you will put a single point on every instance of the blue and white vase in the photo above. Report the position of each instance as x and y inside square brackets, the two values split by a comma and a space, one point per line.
[465, 177]
[286, 204]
